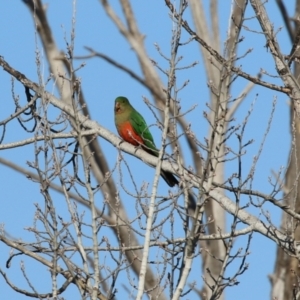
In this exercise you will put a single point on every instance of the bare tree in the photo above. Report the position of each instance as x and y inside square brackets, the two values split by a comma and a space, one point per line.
[168, 239]
[285, 280]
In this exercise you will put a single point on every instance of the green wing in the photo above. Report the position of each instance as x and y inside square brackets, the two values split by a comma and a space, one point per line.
[140, 127]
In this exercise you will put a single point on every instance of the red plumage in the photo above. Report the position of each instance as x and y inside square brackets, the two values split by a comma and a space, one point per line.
[128, 134]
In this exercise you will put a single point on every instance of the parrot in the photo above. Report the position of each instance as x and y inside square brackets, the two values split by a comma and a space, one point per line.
[133, 129]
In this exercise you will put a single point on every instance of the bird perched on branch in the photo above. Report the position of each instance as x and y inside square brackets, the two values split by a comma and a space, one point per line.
[133, 129]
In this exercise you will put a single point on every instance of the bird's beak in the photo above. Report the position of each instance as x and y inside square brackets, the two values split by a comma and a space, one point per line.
[117, 106]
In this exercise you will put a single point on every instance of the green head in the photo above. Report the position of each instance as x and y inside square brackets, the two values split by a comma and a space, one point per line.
[121, 104]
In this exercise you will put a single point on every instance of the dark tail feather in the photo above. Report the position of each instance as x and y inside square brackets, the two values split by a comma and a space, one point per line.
[169, 178]
[192, 202]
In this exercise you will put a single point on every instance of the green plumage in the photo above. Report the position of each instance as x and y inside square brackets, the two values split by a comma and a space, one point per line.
[133, 129]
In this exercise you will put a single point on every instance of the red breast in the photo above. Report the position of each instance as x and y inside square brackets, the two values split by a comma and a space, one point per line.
[128, 134]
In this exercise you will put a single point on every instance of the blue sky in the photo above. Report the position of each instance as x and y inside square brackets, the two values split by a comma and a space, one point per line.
[102, 83]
